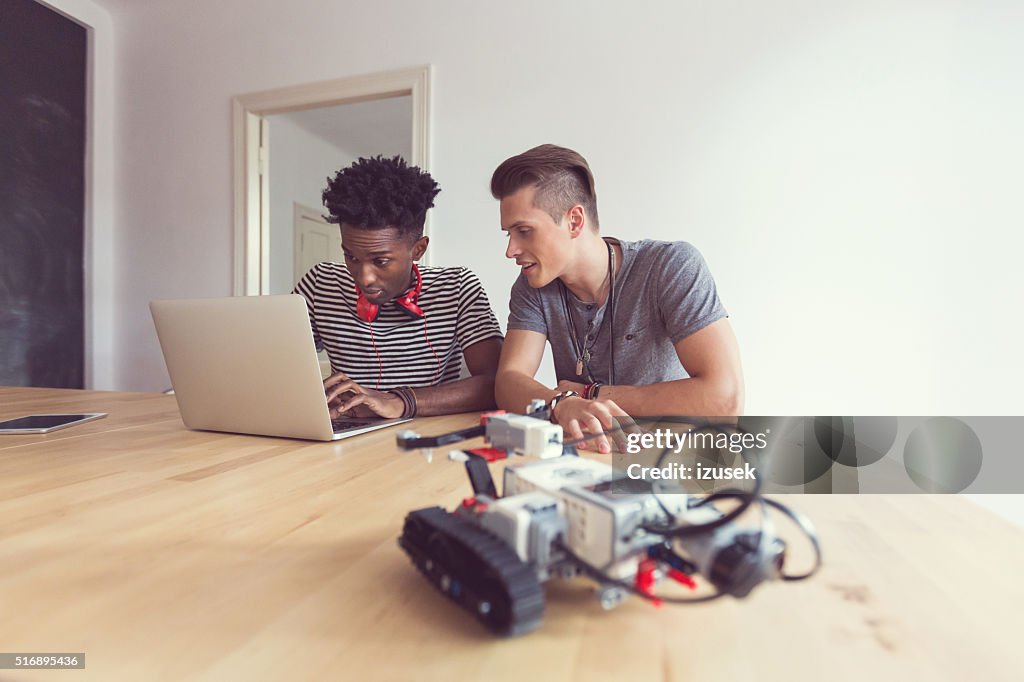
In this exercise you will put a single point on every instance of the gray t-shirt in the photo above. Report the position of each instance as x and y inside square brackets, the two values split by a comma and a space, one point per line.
[663, 293]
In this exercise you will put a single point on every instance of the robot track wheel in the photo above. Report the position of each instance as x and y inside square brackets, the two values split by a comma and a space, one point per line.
[475, 569]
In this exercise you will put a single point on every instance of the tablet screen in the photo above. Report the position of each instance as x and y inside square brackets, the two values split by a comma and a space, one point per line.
[44, 421]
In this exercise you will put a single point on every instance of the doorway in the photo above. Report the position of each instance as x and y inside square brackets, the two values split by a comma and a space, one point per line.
[312, 131]
[303, 149]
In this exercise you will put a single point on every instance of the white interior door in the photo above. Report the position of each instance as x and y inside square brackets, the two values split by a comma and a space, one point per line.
[316, 240]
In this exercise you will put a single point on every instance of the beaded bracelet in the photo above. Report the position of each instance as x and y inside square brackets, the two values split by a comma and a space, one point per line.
[408, 398]
[557, 398]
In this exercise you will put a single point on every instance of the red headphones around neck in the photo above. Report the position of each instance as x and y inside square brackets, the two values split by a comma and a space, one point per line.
[367, 310]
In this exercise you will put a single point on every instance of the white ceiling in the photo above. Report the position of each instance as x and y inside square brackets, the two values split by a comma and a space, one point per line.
[382, 126]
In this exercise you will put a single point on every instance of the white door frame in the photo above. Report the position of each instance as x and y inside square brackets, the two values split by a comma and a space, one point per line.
[251, 260]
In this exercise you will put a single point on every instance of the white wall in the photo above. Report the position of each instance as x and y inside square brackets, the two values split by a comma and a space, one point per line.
[299, 166]
[101, 250]
[847, 169]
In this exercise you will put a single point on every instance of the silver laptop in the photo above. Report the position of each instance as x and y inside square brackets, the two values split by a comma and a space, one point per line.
[248, 365]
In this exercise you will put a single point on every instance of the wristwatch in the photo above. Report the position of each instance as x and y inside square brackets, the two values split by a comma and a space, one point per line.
[557, 398]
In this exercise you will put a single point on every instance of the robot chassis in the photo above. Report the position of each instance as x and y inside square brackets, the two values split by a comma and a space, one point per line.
[560, 517]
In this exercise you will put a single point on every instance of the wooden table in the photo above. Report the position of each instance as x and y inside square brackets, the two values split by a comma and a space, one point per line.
[164, 553]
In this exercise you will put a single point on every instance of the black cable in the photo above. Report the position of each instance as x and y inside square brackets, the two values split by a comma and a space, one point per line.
[681, 531]
[412, 443]
[611, 313]
[748, 497]
[801, 522]
[603, 577]
[672, 518]
[572, 325]
[618, 428]
[685, 531]
[581, 348]
[415, 441]
[673, 531]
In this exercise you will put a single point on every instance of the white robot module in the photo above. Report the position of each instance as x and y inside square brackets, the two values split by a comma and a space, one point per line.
[563, 516]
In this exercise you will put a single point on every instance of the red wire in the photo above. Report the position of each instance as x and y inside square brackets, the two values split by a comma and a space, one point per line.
[380, 364]
[437, 360]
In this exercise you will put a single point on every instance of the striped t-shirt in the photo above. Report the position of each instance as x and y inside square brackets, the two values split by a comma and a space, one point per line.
[458, 315]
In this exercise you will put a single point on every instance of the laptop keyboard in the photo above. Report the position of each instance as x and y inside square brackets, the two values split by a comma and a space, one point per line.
[346, 424]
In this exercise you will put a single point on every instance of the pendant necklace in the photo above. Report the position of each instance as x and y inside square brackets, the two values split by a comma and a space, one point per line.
[581, 349]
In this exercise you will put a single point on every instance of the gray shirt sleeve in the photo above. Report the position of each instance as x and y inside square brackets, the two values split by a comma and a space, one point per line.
[688, 298]
[524, 308]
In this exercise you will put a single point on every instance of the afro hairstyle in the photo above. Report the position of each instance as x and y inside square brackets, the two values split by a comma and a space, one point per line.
[376, 193]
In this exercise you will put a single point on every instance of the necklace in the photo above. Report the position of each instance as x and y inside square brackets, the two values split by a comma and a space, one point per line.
[582, 350]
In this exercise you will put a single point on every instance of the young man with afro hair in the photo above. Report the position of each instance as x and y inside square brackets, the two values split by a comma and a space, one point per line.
[396, 333]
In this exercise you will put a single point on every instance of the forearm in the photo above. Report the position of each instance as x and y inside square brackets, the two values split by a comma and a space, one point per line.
[473, 394]
[696, 396]
[515, 390]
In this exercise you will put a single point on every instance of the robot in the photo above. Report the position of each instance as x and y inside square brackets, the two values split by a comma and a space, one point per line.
[562, 516]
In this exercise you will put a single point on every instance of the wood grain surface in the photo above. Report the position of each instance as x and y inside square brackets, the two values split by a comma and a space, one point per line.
[166, 554]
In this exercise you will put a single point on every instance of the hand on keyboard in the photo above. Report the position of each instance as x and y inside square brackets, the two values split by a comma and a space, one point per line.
[347, 398]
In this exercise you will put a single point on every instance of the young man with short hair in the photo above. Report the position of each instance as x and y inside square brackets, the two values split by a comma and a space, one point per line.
[397, 333]
[636, 328]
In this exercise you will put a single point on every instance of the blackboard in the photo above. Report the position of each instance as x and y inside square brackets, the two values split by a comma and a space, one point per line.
[42, 185]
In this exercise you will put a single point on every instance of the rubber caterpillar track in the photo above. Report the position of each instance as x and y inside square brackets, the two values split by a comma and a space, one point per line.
[474, 569]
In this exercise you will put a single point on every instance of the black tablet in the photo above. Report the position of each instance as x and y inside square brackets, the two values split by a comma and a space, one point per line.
[44, 423]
